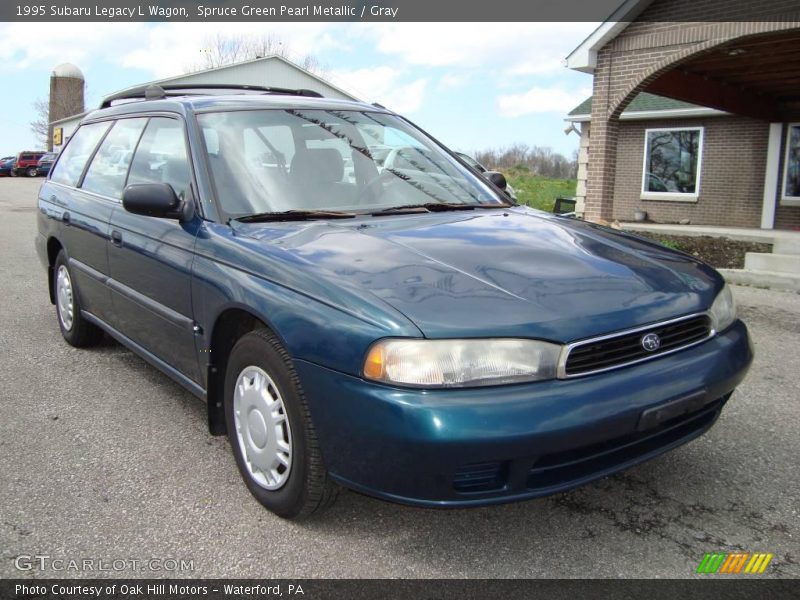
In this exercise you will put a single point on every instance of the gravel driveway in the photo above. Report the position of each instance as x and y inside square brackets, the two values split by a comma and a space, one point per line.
[102, 457]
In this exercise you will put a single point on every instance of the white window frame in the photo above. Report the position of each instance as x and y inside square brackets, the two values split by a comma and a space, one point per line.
[673, 196]
[788, 200]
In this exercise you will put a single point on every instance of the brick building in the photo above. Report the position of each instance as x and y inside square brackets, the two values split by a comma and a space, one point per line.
[692, 117]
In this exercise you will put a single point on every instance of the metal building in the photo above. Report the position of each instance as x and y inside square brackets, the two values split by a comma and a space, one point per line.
[270, 71]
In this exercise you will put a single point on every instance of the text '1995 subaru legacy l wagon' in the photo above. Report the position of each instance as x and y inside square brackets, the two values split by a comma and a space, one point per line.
[392, 326]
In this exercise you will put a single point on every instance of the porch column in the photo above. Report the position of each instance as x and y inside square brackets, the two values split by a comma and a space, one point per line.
[602, 146]
[771, 176]
[583, 169]
[602, 170]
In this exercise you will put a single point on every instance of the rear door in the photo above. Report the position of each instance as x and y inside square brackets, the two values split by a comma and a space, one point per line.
[84, 218]
[150, 259]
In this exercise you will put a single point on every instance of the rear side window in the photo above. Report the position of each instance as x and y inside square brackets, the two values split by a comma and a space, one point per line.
[109, 168]
[74, 157]
[161, 156]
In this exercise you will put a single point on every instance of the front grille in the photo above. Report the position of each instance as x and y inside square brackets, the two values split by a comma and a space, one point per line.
[562, 468]
[618, 350]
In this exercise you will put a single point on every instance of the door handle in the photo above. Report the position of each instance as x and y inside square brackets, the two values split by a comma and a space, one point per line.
[65, 217]
[116, 238]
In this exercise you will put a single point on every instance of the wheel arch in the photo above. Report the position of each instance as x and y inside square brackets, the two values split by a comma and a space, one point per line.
[54, 246]
[229, 326]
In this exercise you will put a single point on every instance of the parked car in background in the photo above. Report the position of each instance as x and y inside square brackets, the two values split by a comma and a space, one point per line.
[481, 169]
[6, 166]
[44, 164]
[27, 163]
[408, 333]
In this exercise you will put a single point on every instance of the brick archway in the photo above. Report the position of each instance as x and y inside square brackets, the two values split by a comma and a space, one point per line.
[647, 55]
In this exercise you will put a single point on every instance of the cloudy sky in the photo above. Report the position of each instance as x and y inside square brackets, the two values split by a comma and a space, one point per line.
[472, 85]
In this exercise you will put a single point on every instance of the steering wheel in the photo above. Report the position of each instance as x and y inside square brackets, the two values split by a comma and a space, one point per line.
[384, 177]
[388, 162]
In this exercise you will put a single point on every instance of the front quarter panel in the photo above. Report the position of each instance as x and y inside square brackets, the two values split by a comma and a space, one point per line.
[324, 328]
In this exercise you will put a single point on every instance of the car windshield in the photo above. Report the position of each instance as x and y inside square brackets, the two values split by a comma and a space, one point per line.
[273, 161]
[472, 162]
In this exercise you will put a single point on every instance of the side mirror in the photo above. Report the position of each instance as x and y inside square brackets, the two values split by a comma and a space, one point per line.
[497, 179]
[155, 200]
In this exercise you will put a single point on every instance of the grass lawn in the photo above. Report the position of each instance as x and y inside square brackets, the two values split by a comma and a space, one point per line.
[538, 192]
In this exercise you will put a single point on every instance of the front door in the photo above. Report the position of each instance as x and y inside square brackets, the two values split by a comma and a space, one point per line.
[150, 259]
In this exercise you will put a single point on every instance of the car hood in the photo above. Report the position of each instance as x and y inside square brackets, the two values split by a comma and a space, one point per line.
[514, 272]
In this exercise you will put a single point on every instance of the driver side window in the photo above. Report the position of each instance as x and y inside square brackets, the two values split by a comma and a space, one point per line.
[161, 156]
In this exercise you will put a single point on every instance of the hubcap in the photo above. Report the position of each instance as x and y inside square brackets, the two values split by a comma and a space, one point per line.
[262, 428]
[64, 297]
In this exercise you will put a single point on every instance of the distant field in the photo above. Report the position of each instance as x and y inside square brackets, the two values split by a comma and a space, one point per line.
[538, 192]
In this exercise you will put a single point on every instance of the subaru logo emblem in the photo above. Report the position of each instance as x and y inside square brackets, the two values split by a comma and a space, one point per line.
[651, 342]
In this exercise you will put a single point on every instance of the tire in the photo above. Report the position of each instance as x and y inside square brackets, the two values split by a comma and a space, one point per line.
[259, 369]
[76, 330]
[32, 172]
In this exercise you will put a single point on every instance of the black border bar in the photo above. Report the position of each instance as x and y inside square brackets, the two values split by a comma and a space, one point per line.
[266, 11]
[712, 587]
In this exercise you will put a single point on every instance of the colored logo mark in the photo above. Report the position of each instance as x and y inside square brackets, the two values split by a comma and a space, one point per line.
[738, 562]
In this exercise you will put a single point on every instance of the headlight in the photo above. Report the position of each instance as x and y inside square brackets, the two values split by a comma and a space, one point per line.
[460, 363]
[723, 310]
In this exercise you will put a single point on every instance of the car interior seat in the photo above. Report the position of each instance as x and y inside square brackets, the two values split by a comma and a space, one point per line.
[318, 172]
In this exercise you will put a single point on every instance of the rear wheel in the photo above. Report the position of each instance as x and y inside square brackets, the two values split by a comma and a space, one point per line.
[32, 172]
[270, 429]
[76, 330]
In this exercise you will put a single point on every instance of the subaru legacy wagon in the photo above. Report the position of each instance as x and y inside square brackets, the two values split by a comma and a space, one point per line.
[396, 327]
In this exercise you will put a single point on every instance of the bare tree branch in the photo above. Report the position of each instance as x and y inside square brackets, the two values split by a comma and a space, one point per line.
[40, 125]
[541, 161]
[64, 104]
[226, 49]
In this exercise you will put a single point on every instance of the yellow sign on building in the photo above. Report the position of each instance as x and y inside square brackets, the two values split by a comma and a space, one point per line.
[58, 136]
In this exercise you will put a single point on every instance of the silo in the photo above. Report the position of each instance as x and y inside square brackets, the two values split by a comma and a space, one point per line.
[66, 95]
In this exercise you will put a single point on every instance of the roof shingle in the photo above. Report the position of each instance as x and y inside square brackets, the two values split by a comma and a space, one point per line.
[642, 102]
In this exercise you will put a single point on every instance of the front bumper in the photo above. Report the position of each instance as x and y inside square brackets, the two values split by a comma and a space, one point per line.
[468, 447]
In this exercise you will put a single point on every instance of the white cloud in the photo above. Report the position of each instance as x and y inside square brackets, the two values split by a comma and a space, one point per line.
[503, 47]
[162, 49]
[166, 49]
[556, 99]
[384, 85]
[541, 66]
[173, 48]
[451, 81]
[48, 44]
[399, 64]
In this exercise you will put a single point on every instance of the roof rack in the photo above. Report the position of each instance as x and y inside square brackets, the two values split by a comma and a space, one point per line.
[155, 92]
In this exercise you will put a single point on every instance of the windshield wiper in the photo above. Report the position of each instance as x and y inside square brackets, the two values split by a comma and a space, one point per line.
[295, 215]
[432, 207]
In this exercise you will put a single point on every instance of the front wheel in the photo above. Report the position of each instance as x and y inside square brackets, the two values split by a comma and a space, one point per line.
[32, 172]
[270, 429]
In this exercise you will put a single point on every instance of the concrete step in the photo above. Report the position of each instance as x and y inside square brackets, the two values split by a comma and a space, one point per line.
[786, 246]
[778, 263]
[762, 279]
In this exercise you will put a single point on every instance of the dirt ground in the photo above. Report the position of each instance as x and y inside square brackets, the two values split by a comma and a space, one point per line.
[721, 253]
